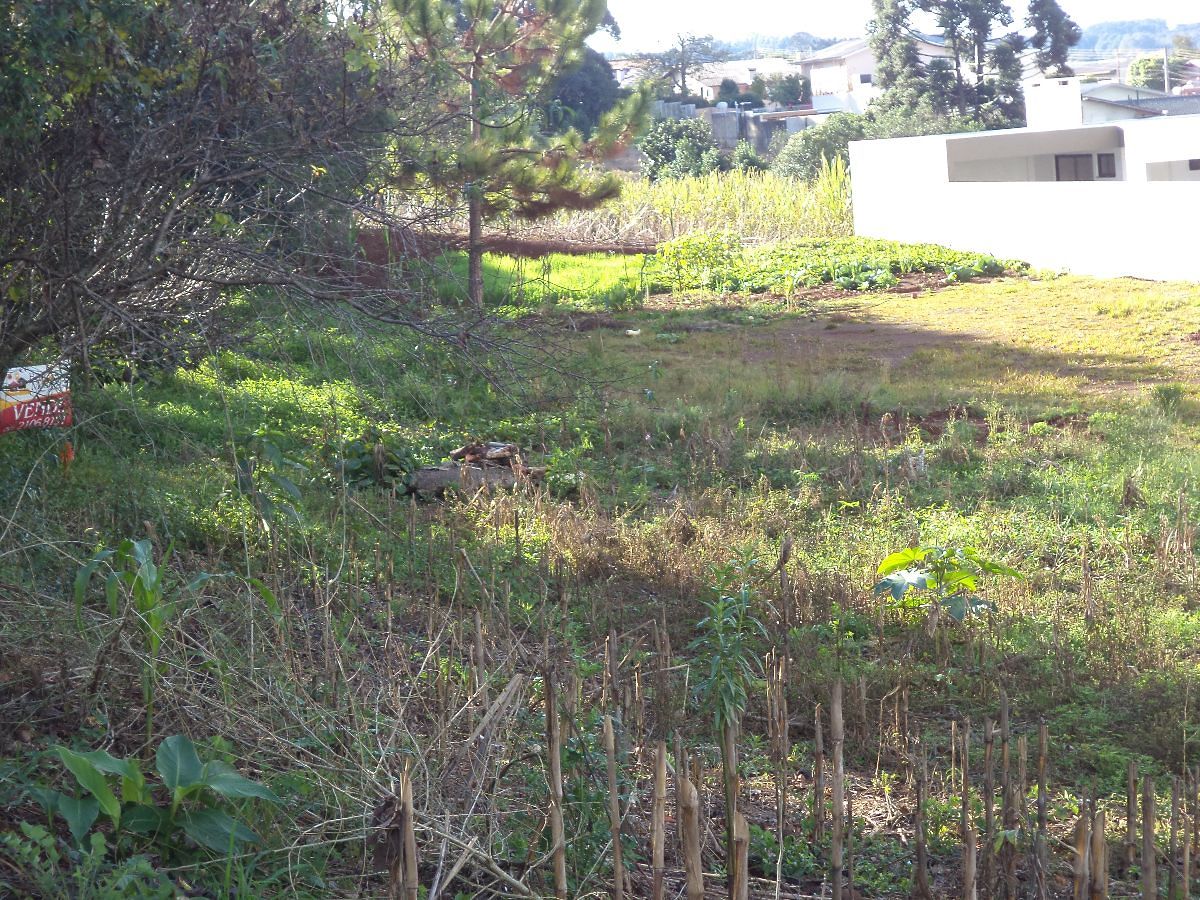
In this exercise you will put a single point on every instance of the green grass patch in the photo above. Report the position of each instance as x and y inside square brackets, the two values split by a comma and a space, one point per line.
[593, 281]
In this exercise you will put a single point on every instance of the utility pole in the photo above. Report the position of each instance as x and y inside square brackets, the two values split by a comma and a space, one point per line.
[1166, 70]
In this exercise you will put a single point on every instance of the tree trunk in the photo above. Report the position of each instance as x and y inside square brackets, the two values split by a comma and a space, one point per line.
[475, 204]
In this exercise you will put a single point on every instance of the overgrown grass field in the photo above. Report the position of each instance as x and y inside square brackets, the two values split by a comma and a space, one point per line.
[758, 206]
[349, 633]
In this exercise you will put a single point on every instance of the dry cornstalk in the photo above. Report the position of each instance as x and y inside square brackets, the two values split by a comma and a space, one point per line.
[1173, 844]
[408, 837]
[1082, 867]
[614, 809]
[778, 722]
[481, 678]
[740, 868]
[1008, 802]
[729, 757]
[1098, 876]
[1131, 817]
[921, 875]
[554, 755]
[967, 824]
[1149, 863]
[837, 741]
[689, 825]
[989, 808]
[818, 803]
[1041, 847]
[658, 820]
[1186, 875]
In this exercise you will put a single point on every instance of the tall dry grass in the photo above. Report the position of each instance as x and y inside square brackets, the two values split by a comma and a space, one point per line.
[760, 207]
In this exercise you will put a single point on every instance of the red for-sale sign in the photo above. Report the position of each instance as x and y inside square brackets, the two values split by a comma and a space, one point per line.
[35, 397]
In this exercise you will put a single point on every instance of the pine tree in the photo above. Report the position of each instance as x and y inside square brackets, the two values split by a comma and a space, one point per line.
[900, 71]
[1001, 99]
[1055, 33]
[981, 79]
[499, 60]
[967, 26]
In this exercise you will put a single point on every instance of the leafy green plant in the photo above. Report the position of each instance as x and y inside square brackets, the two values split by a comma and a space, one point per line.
[44, 870]
[187, 801]
[368, 460]
[702, 261]
[727, 646]
[261, 476]
[980, 267]
[799, 862]
[133, 572]
[948, 576]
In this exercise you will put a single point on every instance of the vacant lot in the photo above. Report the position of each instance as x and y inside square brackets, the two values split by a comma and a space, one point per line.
[351, 631]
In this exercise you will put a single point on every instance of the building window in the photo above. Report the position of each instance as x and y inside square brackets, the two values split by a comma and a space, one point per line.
[1194, 165]
[866, 78]
[1106, 165]
[1074, 167]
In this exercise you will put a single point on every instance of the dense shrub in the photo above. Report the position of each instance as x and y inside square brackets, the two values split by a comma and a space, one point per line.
[790, 90]
[801, 156]
[746, 159]
[675, 148]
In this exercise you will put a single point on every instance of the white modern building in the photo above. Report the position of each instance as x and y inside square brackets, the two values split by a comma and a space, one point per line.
[1109, 200]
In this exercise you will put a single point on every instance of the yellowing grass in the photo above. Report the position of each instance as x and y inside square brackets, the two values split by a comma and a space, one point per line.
[758, 206]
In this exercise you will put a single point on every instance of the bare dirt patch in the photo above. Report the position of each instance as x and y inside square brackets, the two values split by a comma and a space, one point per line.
[840, 337]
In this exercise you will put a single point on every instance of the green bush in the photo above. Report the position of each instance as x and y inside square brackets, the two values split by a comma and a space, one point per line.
[675, 148]
[790, 90]
[801, 156]
[745, 159]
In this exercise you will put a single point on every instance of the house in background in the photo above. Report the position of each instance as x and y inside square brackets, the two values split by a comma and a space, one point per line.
[707, 82]
[843, 75]
[1067, 102]
[1104, 200]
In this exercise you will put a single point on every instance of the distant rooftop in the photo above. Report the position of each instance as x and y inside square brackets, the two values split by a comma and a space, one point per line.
[1167, 106]
[837, 51]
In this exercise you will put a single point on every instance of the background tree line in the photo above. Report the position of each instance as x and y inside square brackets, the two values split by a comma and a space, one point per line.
[159, 158]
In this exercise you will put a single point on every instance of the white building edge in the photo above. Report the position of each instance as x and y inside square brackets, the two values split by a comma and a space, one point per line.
[1112, 199]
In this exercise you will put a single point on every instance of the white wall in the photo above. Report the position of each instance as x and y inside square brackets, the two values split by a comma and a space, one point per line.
[1101, 113]
[901, 192]
[1018, 169]
[1178, 170]
[1165, 139]
[1054, 103]
[857, 65]
[829, 78]
[842, 76]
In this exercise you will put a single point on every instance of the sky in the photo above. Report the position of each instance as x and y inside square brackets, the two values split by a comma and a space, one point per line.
[649, 24]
